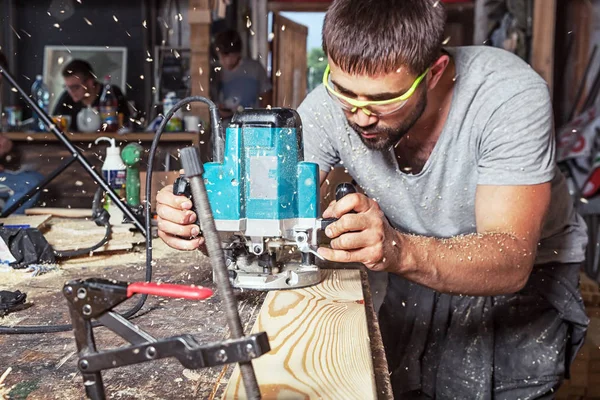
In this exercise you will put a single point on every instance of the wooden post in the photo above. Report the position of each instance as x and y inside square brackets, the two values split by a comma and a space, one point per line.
[542, 46]
[200, 23]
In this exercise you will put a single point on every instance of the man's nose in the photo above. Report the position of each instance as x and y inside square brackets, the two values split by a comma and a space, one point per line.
[361, 118]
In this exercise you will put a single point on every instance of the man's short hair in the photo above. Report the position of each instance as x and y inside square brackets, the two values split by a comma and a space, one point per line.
[369, 37]
[228, 41]
[79, 68]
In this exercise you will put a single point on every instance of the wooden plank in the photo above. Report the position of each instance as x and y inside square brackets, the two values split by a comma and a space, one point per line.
[542, 48]
[60, 212]
[34, 221]
[319, 343]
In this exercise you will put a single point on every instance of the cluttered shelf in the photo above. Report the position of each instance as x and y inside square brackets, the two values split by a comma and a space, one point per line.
[193, 137]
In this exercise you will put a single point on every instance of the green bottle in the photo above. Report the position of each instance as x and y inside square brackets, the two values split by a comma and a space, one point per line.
[132, 155]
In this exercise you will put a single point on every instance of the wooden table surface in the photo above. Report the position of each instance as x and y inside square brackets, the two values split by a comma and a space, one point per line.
[44, 365]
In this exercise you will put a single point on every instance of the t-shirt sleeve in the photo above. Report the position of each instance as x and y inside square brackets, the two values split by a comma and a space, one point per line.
[517, 145]
[318, 147]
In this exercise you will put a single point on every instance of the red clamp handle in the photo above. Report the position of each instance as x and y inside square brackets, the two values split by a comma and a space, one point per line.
[169, 290]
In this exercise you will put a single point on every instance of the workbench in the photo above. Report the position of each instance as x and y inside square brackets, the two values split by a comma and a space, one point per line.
[44, 365]
[43, 152]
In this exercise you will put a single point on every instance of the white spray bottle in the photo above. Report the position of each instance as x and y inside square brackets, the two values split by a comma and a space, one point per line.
[114, 173]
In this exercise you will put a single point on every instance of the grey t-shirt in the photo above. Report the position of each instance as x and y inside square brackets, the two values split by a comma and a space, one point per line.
[499, 131]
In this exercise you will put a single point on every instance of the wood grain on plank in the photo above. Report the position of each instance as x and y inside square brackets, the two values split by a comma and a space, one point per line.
[61, 212]
[319, 343]
[34, 221]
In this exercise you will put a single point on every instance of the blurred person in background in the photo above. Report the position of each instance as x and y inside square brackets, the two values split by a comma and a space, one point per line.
[83, 89]
[241, 82]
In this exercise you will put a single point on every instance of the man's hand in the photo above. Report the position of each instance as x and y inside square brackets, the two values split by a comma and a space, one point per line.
[176, 221]
[364, 236]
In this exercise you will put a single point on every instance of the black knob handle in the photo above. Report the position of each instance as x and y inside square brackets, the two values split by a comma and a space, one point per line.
[343, 189]
[181, 187]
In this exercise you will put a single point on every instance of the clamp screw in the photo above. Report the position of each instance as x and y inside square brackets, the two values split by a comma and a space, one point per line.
[221, 356]
[87, 309]
[257, 249]
[68, 290]
[83, 364]
[250, 350]
[150, 352]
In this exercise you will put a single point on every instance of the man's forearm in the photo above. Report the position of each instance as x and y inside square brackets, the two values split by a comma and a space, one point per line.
[475, 265]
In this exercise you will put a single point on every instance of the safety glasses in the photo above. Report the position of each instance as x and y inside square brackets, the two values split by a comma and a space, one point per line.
[377, 108]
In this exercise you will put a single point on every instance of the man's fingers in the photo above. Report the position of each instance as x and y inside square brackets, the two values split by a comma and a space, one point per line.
[328, 213]
[179, 243]
[352, 241]
[186, 231]
[175, 215]
[165, 196]
[347, 223]
[351, 202]
[343, 256]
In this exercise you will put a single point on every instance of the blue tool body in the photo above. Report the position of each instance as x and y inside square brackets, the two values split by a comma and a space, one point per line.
[263, 187]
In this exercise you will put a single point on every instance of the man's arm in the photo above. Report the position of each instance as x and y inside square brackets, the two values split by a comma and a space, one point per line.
[496, 260]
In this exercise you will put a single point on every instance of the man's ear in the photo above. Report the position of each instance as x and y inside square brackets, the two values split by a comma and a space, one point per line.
[437, 70]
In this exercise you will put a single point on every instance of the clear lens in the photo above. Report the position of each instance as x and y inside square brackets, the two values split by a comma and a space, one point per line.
[377, 110]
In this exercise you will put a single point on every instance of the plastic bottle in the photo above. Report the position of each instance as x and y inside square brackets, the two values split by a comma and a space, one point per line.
[114, 173]
[175, 124]
[41, 95]
[108, 107]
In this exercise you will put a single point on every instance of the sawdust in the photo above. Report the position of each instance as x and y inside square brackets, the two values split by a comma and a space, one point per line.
[4, 391]
[70, 234]
[12, 279]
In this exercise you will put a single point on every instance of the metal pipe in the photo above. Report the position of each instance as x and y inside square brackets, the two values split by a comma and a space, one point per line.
[190, 159]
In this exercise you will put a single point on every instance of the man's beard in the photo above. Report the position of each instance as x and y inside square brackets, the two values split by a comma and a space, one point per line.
[390, 135]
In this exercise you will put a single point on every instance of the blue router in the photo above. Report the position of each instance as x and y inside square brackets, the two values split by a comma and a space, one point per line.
[265, 201]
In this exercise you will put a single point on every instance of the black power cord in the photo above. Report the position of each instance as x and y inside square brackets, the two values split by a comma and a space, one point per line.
[101, 218]
[216, 137]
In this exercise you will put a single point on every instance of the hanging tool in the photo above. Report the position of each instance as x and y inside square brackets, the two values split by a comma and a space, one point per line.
[265, 199]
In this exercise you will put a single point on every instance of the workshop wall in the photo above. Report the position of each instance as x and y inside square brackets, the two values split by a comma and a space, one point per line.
[36, 28]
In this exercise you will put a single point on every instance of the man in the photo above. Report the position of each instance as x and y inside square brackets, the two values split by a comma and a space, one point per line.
[82, 90]
[464, 206]
[14, 184]
[240, 82]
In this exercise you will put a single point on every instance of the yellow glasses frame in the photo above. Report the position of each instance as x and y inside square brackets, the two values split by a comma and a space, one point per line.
[362, 104]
